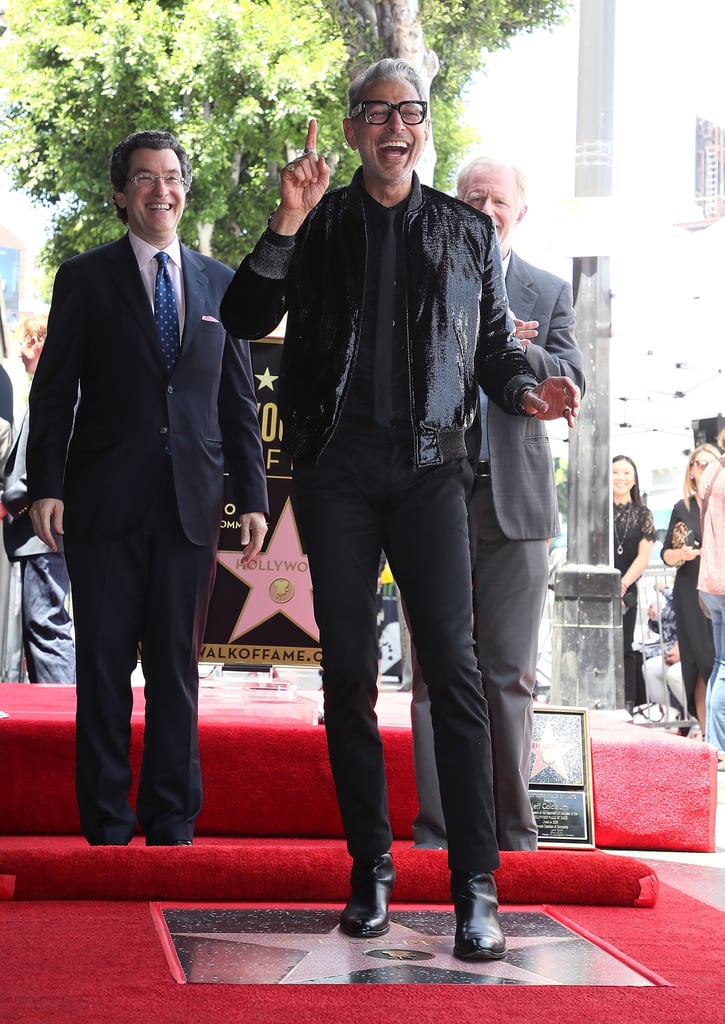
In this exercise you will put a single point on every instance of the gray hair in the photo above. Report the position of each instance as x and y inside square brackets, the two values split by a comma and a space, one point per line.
[388, 69]
[483, 162]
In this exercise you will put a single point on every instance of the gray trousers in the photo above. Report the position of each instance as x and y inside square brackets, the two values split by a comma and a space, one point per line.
[510, 586]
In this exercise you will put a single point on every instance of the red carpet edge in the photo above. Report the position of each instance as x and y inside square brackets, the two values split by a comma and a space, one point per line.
[238, 870]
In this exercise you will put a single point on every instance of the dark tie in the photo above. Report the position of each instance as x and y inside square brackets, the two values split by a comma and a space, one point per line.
[165, 312]
[384, 325]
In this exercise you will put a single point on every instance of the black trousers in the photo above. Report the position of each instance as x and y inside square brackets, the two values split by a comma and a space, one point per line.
[634, 689]
[153, 587]
[362, 496]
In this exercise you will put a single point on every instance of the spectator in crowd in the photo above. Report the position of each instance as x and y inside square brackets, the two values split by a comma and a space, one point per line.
[11, 668]
[662, 666]
[6, 414]
[396, 309]
[47, 627]
[681, 551]
[711, 583]
[634, 537]
[512, 515]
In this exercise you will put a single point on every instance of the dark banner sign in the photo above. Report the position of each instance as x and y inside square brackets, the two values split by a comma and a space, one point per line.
[262, 614]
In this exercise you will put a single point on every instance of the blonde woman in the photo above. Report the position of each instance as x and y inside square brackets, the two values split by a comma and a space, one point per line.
[711, 583]
[681, 551]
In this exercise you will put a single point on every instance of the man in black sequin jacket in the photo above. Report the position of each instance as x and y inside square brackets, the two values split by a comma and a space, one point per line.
[453, 287]
[396, 308]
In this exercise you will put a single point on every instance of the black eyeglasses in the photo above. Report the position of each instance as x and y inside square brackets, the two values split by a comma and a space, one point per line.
[379, 111]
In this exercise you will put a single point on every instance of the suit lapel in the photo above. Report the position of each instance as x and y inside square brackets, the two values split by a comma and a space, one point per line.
[520, 289]
[196, 283]
[133, 298]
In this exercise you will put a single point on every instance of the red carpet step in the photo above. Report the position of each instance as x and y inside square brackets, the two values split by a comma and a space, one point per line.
[271, 778]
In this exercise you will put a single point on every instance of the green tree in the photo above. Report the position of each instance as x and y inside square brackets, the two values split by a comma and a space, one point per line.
[446, 41]
[235, 81]
[231, 80]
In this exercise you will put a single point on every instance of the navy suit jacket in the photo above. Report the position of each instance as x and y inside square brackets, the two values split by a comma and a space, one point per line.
[522, 474]
[102, 350]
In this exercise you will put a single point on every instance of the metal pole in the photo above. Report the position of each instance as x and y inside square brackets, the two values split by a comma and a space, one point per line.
[586, 637]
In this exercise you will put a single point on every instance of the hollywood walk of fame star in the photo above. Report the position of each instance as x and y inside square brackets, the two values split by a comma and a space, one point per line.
[278, 578]
[552, 752]
[329, 957]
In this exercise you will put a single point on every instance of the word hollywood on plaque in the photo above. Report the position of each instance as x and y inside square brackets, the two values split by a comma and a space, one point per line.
[560, 778]
[262, 614]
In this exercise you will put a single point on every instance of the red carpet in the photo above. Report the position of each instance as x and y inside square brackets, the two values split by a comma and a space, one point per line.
[93, 962]
[100, 960]
[270, 827]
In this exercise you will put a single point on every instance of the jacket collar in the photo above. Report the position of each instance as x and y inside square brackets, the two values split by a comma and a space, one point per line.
[416, 192]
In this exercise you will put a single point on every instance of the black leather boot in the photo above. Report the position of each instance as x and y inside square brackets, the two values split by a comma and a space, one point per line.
[366, 913]
[478, 929]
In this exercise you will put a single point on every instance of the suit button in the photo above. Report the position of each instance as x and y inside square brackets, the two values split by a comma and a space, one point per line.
[170, 389]
[164, 430]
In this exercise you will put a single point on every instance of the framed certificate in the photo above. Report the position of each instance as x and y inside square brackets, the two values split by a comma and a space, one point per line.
[560, 777]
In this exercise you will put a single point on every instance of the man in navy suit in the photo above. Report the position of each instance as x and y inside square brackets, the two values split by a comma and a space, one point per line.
[134, 480]
[512, 515]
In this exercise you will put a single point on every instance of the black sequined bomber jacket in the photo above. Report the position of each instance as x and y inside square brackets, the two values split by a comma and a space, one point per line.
[458, 329]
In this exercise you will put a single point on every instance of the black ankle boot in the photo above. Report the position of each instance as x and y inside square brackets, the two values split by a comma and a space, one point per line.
[366, 913]
[478, 930]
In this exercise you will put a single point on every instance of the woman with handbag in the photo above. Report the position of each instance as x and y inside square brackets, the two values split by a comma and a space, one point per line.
[681, 551]
[711, 583]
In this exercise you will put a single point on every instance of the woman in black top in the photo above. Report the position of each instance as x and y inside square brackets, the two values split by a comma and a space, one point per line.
[681, 550]
[634, 536]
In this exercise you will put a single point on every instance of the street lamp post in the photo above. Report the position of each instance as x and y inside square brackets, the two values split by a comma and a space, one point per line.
[587, 668]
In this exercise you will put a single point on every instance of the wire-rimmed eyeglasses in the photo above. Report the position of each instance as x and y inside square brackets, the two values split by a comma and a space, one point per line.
[169, 180]
[379, 111]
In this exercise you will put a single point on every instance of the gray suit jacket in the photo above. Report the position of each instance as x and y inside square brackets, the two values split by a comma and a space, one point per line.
[521, 465]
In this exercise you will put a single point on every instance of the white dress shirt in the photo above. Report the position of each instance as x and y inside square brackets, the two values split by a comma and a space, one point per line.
[148, 267]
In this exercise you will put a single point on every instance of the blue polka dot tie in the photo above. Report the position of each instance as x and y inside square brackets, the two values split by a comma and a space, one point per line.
[165, 312]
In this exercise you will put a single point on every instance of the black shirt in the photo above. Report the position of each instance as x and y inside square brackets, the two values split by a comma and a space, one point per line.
[379, 395]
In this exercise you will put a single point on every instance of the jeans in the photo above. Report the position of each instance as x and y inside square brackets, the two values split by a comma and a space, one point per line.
[715, 698]
[47, 627]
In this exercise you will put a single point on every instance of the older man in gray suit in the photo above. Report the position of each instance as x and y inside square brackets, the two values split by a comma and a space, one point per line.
[512, 516]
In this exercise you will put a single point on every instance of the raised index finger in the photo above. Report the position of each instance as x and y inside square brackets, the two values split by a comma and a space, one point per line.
[311, 140]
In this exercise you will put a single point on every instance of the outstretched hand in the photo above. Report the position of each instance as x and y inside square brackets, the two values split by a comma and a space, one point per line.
[304, 181]
[554, 397]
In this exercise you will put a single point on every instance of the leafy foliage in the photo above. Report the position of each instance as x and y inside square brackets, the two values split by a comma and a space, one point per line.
[235, 81]
[230, 80]
[561, 480]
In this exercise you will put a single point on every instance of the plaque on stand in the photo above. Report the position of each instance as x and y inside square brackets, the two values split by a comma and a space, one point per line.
[560, 777]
